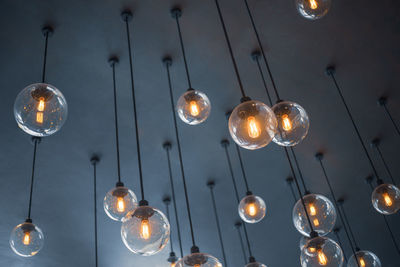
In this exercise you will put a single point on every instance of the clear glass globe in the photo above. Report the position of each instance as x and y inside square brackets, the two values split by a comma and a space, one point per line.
[26, 239]
[252, 124]
[321, 251]
[40, 109]
[145, 231]
[193, 107]
[198, 260]
[321, 211]
[365, 259]
[252, 209]
[313, 9]
[303, 241]
[293, 123]
[255, 264]
[118, 202]
[386, 199]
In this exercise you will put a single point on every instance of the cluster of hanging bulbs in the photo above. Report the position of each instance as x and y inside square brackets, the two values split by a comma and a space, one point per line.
[41, 110]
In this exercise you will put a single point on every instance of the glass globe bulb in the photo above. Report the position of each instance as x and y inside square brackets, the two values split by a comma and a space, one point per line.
[118, 202]
[365, 259]
[303, 241]
[321, 211]
[321, 251]
[255, 264]
[145, 231]
[40, 109]
[198, 260]
[193, 107]
[293, 123]
[26, 239]
[386, 199]
[313, 9]
[252, 209]
[252, 124]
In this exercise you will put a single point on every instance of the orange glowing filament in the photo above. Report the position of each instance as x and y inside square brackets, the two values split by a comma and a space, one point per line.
[316, 222]
[388, 200]
[40, 108]
[312, 249]
[313, 210]
[322, 259]
[313, 4]
[196, 265]
[286, 123]
[173, 264]
[362, 262]
[27, 238]
[253, 129]
[145, 231]
[251, 209]
[194, 108]
[120, 204]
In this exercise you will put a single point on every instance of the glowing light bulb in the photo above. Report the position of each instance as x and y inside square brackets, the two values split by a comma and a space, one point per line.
[322, 259]
[27, 238]
[254, 130]
[40, 108]
[145, 231]
[316, 222]
[312, 249]
[362, 262]
[120, 204]
[313, 4]
[194, 108]
[313, 210]
[286, 123]
[196, 265]
[388, 199]
[252, 209]
[173, 264]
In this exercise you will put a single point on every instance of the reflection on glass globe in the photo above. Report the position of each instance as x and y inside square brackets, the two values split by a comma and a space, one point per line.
[303, 241]
[118, 202]
[198, 260]
[313, 9]
[40, 109]
[252, 209]
[365, 259]
[172, 259]
[255, 264]
[386, 199]
[321, 211]
[193, 107]
[321, 251]
[252, 124]
[145, 231]
[26, 239]
[293, 123]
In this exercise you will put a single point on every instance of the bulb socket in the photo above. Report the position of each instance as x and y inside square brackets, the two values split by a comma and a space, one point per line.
[252, 259]
[127, 15]
[224, 143]
[143, 203]
[119, 184]
[330, 70]
[313, 234]
[245, 99]
[382, 101]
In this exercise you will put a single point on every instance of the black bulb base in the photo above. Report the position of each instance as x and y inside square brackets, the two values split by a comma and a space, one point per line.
[313, 234]
[167, 145]
[119, 184]
[194, 249]
[94, 159]
[211, 184]
[127, 15]
[245, 99]
[382, 101]
[28, 220]
[224, 143]
[176, 12]
[47, 30]
[143, 203]
[113, 60]
[167, 200]
[167, 60]
[256, 55]
[252, 259]
[330, 70]
[319, 156]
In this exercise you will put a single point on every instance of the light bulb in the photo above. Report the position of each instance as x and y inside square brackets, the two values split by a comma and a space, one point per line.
[252, 209]
[27, 238]
[313, 9]
[313, 210]
[40, 108]
[145, 230]
[386, 199]
[364, 258]
[120, 204]
[316, 222]
[322, 259]
[173, 264]
[198, 260]
[193, 107]
[321, 251]
[286, 123]
[252, 127]
[313, 4]
[362, 262]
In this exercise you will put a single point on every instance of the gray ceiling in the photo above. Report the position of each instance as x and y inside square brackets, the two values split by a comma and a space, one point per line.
[361, 37]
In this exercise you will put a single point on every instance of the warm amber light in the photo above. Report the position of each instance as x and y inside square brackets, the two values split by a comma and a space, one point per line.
[388, 199]
[313, 210]
[313, 4]
[312, 249]
[362, 262]
[39, 117]
[173, 264]
[40, 108]
[27, 238]
[322, 259]
[286, 123]
[145, 231]
[253, 129]
[120, 204]
[251, 209]
[194, 108]
[316, 222]
[196, 265]
[41, 104]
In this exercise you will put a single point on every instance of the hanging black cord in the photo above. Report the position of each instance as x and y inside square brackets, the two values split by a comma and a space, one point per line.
[168, 63]
[382, 101]
[256, 57]
[231, 51]
[289, 181]
[299, 171]
[396, 246]
[346, 220]
[375, 143]
[246, 235]
[127, 16]
[47, 31]
[225, 144]
[243, 171]
[336, 232]
[94, 160]
[176, 14]
[319, 156]
[35, 140]
[331, 72]
[167, 147]
[238, 224]
[167, 201]
[262, 50]
[211, 185]
[114, 61]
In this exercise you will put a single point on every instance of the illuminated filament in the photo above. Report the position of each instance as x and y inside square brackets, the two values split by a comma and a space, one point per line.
[253, 129]
[313, 210]
[40, 108]
[286, 123]
[312, 249]
[313, 4]
[120, 204]
[316, 222]
[196, 265]
[173, 264]
[362, 262]
[251, 209]
[145, 231]
[388, 200]
[322, 259]
[194, 108]
[27, 238]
